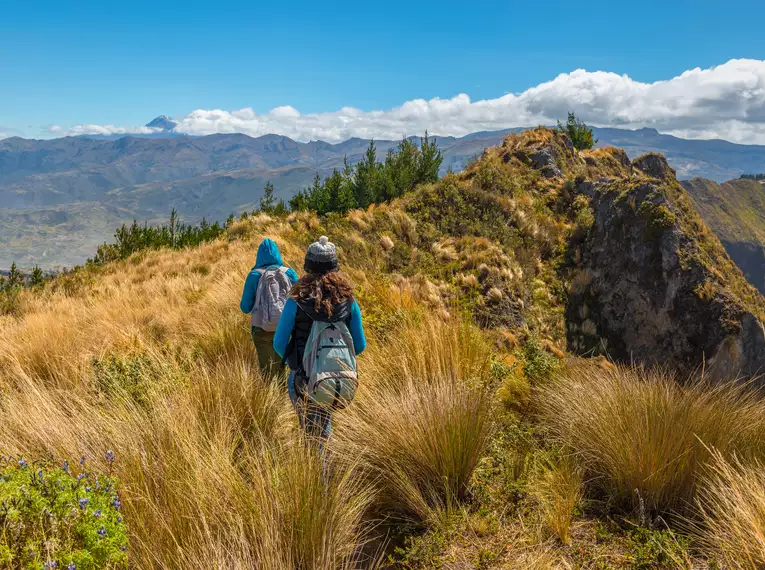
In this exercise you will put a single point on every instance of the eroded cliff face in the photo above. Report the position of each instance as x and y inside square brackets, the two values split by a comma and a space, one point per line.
[652, 285]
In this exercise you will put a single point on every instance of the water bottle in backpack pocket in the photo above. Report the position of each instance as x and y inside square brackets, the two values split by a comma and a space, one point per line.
[273, 289]
[329, 362]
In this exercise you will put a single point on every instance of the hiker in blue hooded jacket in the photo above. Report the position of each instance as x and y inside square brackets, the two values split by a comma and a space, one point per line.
[266, 302]
[322, 297]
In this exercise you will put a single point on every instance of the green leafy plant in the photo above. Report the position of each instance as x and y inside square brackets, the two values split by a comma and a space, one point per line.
[51, 517]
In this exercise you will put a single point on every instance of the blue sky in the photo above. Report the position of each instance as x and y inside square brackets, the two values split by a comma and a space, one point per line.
[107, 63]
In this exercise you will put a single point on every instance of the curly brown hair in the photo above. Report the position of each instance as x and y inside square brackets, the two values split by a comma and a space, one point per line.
[325, 290]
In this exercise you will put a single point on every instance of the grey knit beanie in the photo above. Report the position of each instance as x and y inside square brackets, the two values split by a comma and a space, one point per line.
[321, 257]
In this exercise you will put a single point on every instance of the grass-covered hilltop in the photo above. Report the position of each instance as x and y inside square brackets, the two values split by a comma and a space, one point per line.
[556, 378]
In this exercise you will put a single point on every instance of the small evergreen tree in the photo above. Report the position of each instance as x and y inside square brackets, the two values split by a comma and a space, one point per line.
[366, 177]
[268, 201]
[37, 279]
[430, 161]
[299, 202]
[15, 279]
[579, 133]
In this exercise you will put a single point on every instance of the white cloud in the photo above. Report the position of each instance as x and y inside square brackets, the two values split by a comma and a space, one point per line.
[100, 130]
[727, 101]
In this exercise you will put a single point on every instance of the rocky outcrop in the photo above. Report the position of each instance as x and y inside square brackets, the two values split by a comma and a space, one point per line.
[652, 285]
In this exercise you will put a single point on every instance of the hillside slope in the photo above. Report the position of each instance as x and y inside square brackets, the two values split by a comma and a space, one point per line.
[473, 442]
[735, 211]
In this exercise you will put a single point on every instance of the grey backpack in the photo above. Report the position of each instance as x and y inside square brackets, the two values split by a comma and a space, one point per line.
[273, 289]
[329, 362]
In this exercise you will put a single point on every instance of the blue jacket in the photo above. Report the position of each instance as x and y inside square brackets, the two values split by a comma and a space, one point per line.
[287, 324]
[268, 256]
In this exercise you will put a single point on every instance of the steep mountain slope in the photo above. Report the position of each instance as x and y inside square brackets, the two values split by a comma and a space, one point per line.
[735, 211]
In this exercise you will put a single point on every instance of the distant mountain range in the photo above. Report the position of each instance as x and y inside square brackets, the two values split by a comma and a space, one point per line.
[60, 198]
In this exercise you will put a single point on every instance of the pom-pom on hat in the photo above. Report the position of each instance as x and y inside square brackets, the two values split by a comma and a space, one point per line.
[321, 257]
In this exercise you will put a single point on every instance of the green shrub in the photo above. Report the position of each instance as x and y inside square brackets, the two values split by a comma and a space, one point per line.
[579, 133]
[537, 363]
[657, 549]
[52, 518]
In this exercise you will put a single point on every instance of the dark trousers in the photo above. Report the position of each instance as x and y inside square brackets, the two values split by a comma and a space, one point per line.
[268, 360]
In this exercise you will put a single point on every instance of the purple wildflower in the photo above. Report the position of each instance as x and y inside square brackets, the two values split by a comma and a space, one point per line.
[82, 462]
[72, 566]
[66, 466]
[116, 503]
[97, 513]
[84, 503]
[110, 457]
[102, 531]
[22, 463]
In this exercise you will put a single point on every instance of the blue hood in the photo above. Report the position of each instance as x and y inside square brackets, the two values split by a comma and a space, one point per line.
[268, 254]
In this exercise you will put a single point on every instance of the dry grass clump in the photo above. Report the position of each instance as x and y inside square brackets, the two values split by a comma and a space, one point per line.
[558, 489]
[428, 348]
[444, 251]
[386, 243]
[732, 500]
[404, 227]
[421, 443]
[644, 436]
[304, 222]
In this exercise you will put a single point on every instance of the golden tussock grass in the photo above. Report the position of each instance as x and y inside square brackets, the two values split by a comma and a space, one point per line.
[427, 348]
[732, 501]
[645, 437]
[421, 443]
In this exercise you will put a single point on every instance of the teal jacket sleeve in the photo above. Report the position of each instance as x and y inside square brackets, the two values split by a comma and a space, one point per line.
[250, 289]
[292, 276]
[357, 329]
[285, 326]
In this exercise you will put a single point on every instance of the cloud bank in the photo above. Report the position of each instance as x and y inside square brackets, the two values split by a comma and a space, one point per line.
[726, 101]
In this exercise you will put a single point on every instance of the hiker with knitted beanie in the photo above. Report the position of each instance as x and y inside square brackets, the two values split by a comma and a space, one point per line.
[319, 335]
